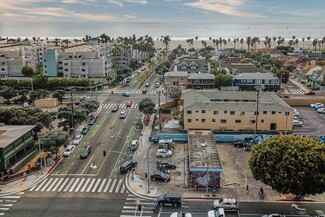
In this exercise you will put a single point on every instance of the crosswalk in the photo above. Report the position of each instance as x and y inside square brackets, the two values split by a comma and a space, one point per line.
[109, 106]
[6, 202]
[294, 91]
[86, 185]
[130, 208]
[134, 91]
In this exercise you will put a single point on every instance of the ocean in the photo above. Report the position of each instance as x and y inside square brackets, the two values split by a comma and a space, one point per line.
[176, 30]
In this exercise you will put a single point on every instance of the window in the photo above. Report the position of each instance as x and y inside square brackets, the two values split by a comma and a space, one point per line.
[83, 64]
[189, 112]
[262, 121]
[45, 72]
[189, 120]
[203, 120]
[232, 112]
[223, 121]
[280, 112]
[66, 70]
[215, 112]
[242, 113]
[252, 121]
[286, 113]
[273, 112]
[196, 119]
[258, 113]
[44, 61]
[45, 66]
[2, 69]
[83, 70]
[214, 120]
[65, 64]
[70, 57]
[237, 121]
[225, 112]
[264, 112]
[203, 111]
[196, 111]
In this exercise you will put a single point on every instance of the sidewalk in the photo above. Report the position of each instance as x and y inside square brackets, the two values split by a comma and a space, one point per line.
[136, 183]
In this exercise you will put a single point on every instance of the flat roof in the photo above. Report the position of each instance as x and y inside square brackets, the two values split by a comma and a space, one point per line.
[203, 150]
[10, 133]
[81, 48]
[11, 48]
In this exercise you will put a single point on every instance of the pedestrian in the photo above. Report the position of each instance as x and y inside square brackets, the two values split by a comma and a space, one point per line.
[25, 176]
[247, 189]
[197, 186]
[261, 191]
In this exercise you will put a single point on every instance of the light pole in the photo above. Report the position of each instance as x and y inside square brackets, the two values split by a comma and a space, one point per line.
[208, 178]
[159, 111]
[257, 101]
[72, 115]
[148, 179]
[287, 114]
[39, 150]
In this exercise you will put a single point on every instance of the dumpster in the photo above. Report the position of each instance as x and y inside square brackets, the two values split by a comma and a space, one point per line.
[153, 139]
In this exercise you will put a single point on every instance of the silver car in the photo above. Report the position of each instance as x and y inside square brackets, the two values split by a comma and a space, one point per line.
[77, 139]
[164, 153]
[226, 203]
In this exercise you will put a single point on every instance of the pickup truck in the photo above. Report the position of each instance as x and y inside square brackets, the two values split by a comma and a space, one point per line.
[222, 213]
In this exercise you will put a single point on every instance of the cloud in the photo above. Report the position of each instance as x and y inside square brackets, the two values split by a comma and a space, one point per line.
[227, 7]
[173, 0]
[116, 2]
[142, 2]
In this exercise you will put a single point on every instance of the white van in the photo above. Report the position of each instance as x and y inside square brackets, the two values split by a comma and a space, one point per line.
[157, 84]
[168, 143]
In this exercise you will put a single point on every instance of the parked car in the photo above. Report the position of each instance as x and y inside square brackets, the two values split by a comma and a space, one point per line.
[165, 164]
[85, 130]
[240, 143]
[123, 114]
[77, 139]
[319, 106]
[134, 145]
[310, 93]
[164, 153]
[25, 105]
[129, 104]
[319, 110]
[115, 108]
[69, 150]
[127, 165]
[297, 123]
[225, 203]
[85, 152]
[316, 104]
[160, 176]
[92, 120]
[174, 199]
[273, 215]
[147, 84]
[126, 94]
[181, 214]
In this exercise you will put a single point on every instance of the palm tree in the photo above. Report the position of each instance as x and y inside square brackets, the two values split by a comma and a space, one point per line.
[308, 38]
[166, 41]
[196, 38]
[315, 44]
[274, 38]
[235, 40]
[303, 43]
[150, 64]
[248, 41]
[297, 42]
[241, 41]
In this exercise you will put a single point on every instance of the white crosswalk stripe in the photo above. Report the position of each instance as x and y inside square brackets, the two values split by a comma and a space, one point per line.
[295, 91]
[65, 184]
[6, 202]
[130, 207]
[134, 91]
[109, 106]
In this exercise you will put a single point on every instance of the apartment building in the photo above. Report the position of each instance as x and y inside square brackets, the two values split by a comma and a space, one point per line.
[14, 57]
[250, 80]
[82, 61]
[236, 111]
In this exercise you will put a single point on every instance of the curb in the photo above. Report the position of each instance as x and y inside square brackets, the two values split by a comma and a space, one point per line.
[135, 193]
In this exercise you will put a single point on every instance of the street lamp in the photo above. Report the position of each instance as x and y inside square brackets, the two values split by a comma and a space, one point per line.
[148, 179]
[72, 115]
[257, 102]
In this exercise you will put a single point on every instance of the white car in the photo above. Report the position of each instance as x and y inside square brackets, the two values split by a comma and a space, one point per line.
[69, 150]
[316, 104]
[77, 139]
[297, 123]
[164, 153]
[181, 214]
[321, 110]
[123, 114]
[225, 203]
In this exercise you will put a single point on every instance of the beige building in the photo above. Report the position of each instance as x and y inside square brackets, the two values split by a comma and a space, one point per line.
[236, 111]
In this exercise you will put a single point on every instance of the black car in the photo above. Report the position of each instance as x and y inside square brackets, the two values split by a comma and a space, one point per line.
[85, 152]
[174, 199]
[85, 130]
[240, 144]
[144, 91]
[160, 176]
[165, 164]
[127, 165]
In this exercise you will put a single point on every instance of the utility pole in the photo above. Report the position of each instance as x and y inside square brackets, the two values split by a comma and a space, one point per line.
[159, 118]
[148, 179]
[207, 187]
[72, 115]
[257, 101]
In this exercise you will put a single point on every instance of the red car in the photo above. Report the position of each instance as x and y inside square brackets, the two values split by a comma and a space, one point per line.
[310, 93]
[129, 104]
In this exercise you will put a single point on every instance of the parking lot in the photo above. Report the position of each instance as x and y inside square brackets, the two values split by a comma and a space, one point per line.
[313, 122]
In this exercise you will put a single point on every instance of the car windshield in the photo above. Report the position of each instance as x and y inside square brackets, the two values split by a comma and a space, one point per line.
[77, 137]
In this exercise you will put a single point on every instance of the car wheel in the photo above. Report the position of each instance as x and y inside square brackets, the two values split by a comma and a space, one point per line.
[233, 209]
[166, 180]
[153, 179]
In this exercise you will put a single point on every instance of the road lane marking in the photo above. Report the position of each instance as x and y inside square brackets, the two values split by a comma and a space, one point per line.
[123, 188]
[87, 164]
[85, 185]
[108, 183]
[102, 185]
[112, 187]
[51, 186]
[57, 185]
[90, 185]
[74, 185]
[42, 183]
[118, 185]
[77, 189]
[63, 184]
[47, 184]
[68, 185]
[96, 185]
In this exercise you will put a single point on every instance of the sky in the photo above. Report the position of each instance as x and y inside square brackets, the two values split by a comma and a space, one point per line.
[162, 10]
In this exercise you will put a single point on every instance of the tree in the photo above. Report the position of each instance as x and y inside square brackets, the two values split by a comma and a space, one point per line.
[53, 140]
[284, 74]
[65, 113]
[290, 164]
[246, 60]
[59, 94]
[89, 105]
[8, 93]
[27, 71]
[174, 92]
[147, 107]
[223, 80]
